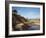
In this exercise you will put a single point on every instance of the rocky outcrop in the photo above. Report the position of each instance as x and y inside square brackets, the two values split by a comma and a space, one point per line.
[17, 19]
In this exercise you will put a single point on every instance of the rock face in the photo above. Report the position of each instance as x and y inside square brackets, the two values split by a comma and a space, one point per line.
[17, 19]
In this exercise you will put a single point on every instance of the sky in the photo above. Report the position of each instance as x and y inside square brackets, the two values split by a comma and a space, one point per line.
[28, 12]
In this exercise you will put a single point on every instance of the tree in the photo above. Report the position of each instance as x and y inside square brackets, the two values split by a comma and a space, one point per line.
[14, 11]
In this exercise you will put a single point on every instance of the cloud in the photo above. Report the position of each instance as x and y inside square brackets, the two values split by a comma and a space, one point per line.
[30, 15]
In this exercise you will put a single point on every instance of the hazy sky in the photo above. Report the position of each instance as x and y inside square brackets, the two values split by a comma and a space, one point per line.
[28, 12]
